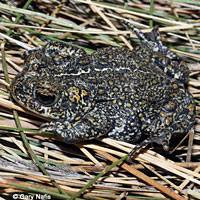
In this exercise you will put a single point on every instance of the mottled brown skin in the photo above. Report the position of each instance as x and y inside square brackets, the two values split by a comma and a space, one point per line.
[121, 93]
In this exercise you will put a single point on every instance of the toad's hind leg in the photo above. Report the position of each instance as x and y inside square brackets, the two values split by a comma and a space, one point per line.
[172, 117]
[162, 139]
[152, 40]
[160, 54]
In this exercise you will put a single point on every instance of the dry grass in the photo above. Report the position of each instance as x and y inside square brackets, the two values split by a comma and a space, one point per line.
[33, 163]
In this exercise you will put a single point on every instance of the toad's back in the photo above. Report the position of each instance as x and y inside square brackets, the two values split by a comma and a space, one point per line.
[115, 71]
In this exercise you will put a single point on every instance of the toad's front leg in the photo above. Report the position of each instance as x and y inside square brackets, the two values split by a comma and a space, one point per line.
[92, 125]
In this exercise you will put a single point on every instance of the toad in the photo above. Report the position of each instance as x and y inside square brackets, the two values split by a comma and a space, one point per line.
[121, 93]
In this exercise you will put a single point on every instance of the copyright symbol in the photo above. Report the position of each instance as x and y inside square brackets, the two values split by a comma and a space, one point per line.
[15, 196]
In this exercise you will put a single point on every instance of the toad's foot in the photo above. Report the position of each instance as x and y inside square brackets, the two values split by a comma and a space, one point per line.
[163, 139]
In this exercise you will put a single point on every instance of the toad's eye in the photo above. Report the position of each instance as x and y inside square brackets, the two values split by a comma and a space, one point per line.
[46, 98]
